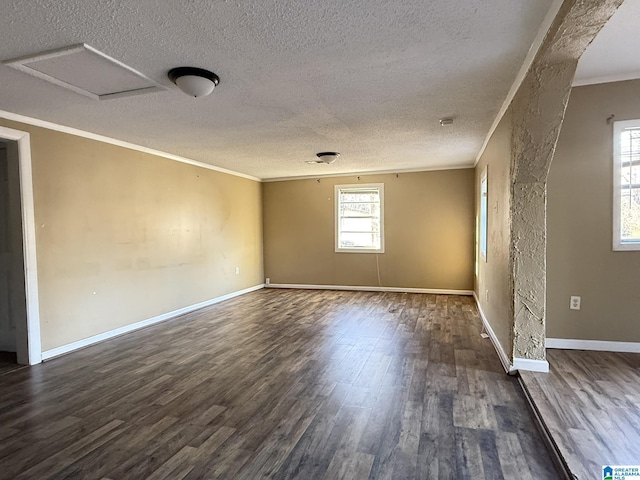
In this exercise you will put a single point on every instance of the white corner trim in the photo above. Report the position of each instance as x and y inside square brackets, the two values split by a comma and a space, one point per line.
[530, 365]
[594, 345]
[70, 347]
[369, 289]
[619, 77]
[524, 69]
[31, 352]
[504, 359]
[112, 141]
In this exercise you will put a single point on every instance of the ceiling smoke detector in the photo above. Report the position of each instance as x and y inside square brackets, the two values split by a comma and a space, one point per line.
[325, 157]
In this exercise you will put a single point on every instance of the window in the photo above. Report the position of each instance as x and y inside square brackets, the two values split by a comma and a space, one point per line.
[359, 218]
[482, 241]
[626, 185]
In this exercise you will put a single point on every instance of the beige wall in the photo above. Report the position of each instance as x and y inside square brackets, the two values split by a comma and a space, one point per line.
[492, 285]
[580, 191]
[123, 236]
[429, 233]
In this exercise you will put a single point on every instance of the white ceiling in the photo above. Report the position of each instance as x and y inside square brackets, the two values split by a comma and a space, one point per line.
[614, 54]
[367, 78]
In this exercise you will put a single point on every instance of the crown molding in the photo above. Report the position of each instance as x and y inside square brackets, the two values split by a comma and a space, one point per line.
[120, 143]
[369, 172]
[522, 73]
[617, 77]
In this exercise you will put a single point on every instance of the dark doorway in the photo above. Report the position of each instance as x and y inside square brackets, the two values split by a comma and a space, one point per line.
[12, 283]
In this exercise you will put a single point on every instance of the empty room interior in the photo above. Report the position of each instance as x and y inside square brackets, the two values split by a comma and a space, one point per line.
[341, 240]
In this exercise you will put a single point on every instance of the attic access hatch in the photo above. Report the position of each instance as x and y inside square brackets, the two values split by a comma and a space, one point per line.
[87, 71]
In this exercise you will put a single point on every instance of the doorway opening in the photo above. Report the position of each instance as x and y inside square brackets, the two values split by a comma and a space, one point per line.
[12, 291]
[19, 306]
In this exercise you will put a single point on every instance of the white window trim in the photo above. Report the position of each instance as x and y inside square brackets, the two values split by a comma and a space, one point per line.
[483, 253]
[618, 127]
[337, 188]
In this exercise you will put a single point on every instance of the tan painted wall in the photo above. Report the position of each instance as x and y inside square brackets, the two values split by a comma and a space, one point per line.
[580, 259]
[123, 236]
[429, 233]
[492, 281]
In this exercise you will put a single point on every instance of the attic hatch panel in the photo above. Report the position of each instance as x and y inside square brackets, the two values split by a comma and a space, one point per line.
[86, 71]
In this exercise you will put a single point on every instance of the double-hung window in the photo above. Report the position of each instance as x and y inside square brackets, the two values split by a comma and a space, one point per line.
[626, 185]
[360, 218]
[482, 241]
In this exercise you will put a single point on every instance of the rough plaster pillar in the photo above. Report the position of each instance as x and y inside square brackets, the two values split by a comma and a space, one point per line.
[538, 110]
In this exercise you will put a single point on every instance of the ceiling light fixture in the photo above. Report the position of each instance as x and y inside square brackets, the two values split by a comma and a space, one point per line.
[445, 122]
[195, 82]
[325, 157]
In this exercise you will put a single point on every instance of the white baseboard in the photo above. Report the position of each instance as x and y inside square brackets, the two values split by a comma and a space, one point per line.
[530, 365]
[504, 359]
[70, 347]
[595, 345]
[370, 289]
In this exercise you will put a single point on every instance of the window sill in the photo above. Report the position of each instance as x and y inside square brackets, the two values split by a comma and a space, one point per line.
[626, 247]
[357, 250]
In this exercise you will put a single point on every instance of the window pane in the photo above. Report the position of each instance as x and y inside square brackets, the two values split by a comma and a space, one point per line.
[630, 145]
[630, 214]
[364, 196]
[627, 184]
[359, 217]
[359, 210]
[359, 225]
[483, 217]
[359, 240]
[634, 174]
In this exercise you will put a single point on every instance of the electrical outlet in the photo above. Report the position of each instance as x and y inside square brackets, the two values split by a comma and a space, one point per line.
[268, 281]
[575, 303]
[237, 270]
[486, 295]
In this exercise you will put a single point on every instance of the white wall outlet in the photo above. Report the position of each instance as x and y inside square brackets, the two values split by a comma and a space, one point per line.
[237, 270]
[575, 303]
[268, 281]
[486, 296]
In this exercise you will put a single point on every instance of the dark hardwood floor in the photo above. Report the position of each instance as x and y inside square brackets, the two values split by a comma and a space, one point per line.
[279, 384]
[590, 403]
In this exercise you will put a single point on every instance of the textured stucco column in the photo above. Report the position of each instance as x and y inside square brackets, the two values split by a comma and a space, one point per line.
[537, 114]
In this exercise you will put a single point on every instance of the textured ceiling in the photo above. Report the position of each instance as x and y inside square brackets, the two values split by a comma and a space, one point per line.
[614, 54]
[367, 78]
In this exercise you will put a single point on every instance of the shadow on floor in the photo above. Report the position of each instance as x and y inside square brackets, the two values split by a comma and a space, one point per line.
[9, 362]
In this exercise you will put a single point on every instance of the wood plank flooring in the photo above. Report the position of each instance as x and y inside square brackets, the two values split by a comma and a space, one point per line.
[279, 384]
[590, 403]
